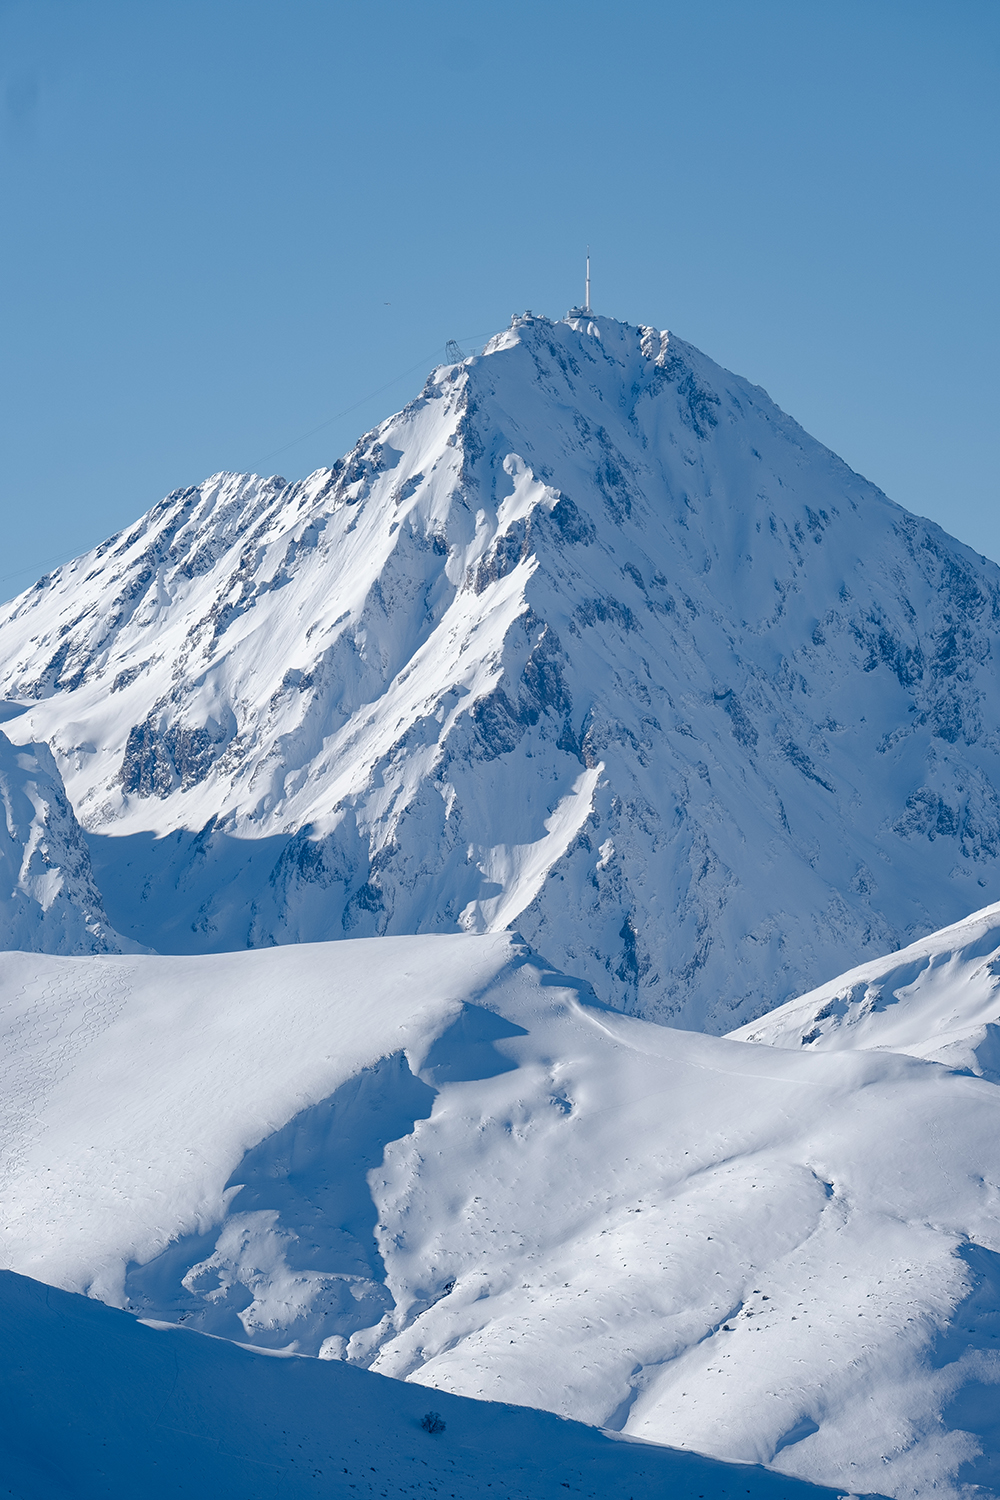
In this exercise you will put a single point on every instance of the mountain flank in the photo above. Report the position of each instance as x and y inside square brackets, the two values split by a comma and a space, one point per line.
[591, 638]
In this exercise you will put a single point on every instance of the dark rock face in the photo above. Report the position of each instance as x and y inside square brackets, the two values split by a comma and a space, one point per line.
[159, 761]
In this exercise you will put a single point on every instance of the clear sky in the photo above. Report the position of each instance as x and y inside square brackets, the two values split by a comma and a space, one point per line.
[226, 222]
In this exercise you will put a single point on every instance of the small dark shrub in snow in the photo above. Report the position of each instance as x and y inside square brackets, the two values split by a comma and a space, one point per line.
[431, 1422]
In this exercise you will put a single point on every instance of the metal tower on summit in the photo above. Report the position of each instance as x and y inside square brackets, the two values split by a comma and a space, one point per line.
[586, 311]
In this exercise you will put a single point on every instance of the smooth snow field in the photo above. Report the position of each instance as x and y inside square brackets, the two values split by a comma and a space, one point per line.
[437, 1157]
[97, 1405]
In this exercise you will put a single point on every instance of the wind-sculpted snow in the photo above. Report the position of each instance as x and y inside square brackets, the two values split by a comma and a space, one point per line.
[441, 1159]
[591, 637]
[939, 999]
[48, 900]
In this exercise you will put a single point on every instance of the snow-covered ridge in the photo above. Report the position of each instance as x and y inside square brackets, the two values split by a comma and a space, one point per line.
[590, 637]
[938, 999]
[48, 900]
[439, 1158]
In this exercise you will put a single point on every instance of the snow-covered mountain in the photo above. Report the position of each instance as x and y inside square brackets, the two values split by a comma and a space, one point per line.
[439, 1158]
[591, 637]
[48, 900]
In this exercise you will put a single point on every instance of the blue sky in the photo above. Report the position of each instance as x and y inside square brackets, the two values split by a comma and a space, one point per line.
[229, 221]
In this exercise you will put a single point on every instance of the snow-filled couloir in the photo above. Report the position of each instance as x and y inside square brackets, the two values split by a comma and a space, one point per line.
[590, 638]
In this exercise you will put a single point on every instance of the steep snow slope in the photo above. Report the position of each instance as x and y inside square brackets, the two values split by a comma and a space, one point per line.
[439, 1158]
[48, 900]
[98, 1405]
[939, 998]
[591, 637]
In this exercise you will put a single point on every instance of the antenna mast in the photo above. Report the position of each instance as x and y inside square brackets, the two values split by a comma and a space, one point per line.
[584, 311]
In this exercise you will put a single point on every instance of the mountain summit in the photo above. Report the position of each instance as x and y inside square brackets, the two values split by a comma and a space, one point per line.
[591, 638]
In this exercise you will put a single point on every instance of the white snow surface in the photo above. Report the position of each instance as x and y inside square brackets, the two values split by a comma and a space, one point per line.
[590, 638]
[939, 998]
[97, 1405]
[48, 900]
[437, 1157]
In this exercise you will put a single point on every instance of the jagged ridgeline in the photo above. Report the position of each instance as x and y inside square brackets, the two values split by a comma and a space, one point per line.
[590, 638]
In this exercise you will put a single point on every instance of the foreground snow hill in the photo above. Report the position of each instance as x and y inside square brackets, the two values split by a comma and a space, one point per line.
[48, 900]
[98, 1405]
[441, 1159]
[590, 638]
